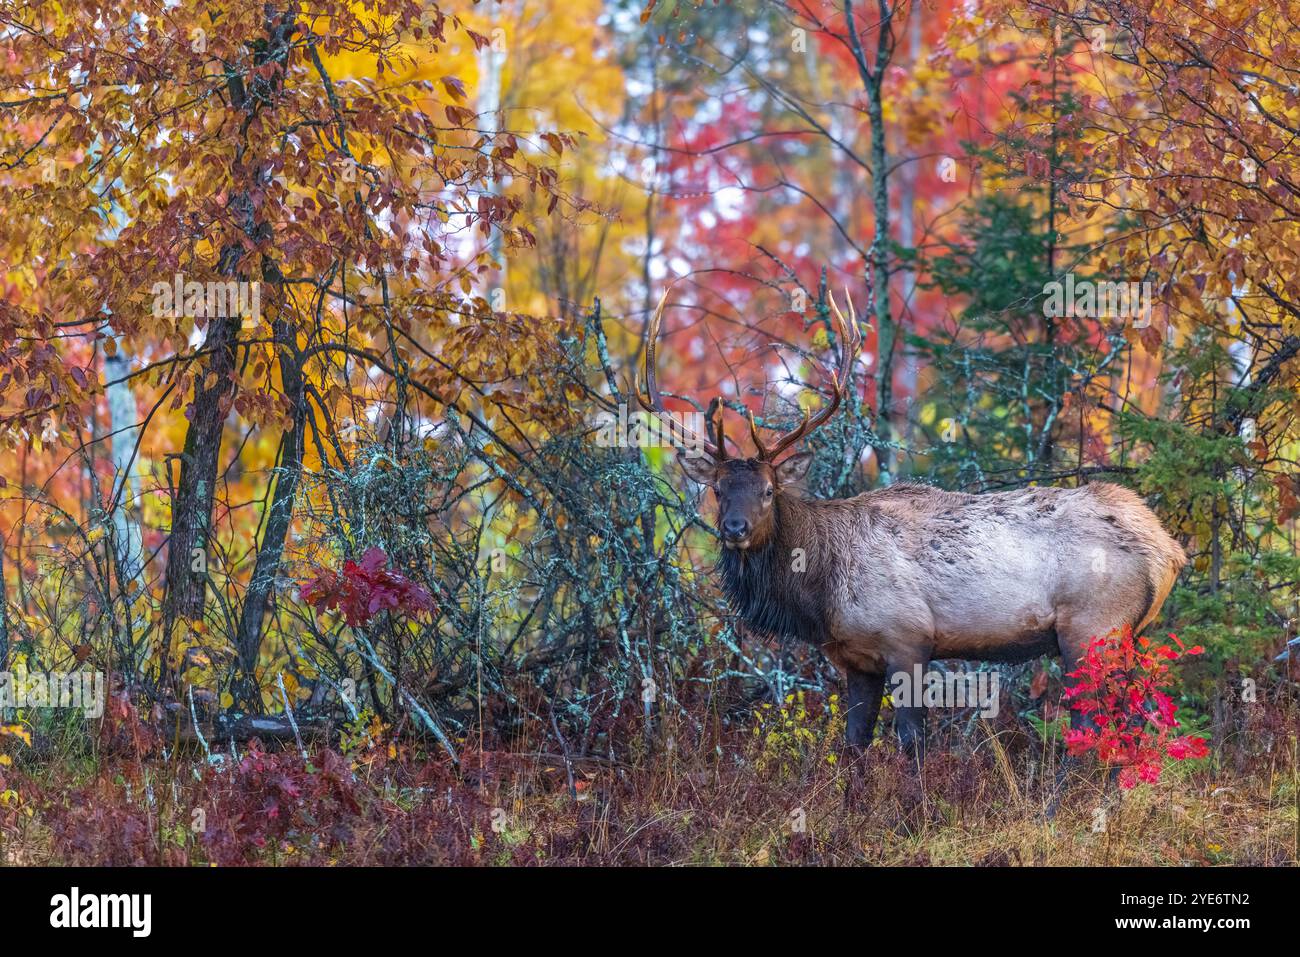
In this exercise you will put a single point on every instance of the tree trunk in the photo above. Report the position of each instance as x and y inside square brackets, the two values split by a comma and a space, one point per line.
[124, 423]
[909, 374]
[872, 78]
[123, 503]
[187, 550]
[279, 517]
[880, 285]
[4, 613]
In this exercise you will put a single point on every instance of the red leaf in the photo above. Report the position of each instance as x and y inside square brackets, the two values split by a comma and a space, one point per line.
[454, 87]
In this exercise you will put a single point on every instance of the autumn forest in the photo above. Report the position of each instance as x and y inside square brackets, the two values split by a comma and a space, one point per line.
[404, 407]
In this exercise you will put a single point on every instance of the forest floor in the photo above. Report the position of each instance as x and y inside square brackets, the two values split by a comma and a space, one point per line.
[775, 791]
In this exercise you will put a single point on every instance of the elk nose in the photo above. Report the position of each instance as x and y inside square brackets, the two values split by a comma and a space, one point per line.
[735, 528]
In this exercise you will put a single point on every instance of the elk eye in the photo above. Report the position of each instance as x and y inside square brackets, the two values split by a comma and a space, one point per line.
[767, 493]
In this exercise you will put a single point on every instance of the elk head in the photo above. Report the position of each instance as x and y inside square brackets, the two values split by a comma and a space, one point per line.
[746, 488]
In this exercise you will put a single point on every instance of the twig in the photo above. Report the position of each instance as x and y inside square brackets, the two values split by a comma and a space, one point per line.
[279, 679]
[207, 753]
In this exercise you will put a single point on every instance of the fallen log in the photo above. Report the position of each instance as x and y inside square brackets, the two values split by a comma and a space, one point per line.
[241, 728]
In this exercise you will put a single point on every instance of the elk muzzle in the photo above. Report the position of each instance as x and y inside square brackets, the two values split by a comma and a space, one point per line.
[735, 531]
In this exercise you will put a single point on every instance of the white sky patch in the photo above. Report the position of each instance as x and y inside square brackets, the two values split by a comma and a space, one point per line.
[425, 428]
[625, 20]
[618, 164]
[710, 111]
[786, 384]
[729, 202]
[460, 237]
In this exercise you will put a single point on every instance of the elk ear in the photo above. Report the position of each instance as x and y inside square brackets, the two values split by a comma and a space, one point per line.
[794, 468]
[700, 467]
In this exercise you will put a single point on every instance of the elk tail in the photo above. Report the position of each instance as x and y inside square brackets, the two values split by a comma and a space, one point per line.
[1166, 563]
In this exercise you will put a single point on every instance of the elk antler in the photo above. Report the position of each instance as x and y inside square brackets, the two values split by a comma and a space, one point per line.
[850, 342]
[653, 402]
[714, 419]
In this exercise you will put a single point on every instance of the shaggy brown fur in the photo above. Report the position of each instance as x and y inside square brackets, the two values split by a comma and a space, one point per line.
[895, 577]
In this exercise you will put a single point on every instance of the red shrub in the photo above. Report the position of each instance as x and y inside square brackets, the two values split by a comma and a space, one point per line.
[97, 825]
[1121, 687]
[124, 730]
[269, 797]
[363, 589]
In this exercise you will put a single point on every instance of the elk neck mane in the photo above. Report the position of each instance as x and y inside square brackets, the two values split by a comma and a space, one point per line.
[762, 586]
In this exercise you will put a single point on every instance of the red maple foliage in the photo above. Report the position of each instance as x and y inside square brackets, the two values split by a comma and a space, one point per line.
[269, 797]
[1121, 686]
[363, 589]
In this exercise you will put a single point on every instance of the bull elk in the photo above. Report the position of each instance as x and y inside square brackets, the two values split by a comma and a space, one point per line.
[887, 580]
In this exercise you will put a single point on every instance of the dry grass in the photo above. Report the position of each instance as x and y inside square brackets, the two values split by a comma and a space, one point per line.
[780, 794]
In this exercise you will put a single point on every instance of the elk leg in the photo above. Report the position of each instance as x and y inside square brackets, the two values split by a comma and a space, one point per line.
[1074, 642]
[863, 706]
[910, 722]
[909, 718]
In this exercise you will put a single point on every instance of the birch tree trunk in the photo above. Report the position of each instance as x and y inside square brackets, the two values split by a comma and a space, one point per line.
[124, 424]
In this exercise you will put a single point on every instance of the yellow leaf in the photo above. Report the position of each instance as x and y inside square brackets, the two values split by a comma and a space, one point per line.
[17, 731]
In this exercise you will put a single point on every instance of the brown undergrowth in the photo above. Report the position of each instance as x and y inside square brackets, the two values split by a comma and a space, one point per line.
[773, 789]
